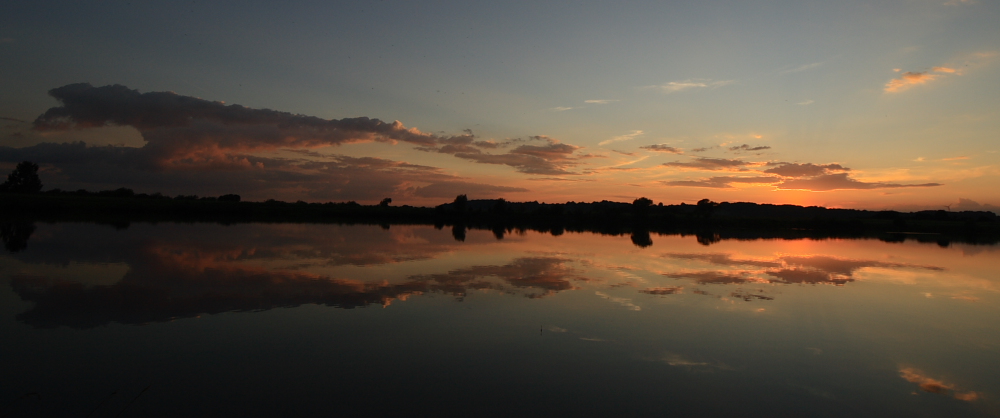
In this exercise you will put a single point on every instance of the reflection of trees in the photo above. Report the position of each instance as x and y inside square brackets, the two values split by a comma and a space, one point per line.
[15, 235]
[641, 238]
[166, 284]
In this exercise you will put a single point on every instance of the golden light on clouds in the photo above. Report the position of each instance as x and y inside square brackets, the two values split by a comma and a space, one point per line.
[907, 80]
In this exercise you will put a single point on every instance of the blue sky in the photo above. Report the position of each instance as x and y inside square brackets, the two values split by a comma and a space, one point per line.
[902, 94]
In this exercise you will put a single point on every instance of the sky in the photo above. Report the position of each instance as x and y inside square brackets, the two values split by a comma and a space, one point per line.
[856, 104]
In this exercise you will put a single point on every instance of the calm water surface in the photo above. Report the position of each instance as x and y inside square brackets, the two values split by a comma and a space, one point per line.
[288, 319]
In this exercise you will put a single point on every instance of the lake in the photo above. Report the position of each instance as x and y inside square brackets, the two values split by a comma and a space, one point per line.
[244, 320]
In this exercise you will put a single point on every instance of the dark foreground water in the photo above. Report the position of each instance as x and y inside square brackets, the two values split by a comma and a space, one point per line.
[183, 320]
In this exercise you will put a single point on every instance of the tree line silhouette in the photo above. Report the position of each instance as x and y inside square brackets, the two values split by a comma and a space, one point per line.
[709, 221]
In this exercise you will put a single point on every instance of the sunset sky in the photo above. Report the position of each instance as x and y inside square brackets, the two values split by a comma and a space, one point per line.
[862, 104]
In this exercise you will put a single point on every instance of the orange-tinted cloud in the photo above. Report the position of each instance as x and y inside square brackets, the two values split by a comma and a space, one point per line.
[706, 163]
[723, 182]
[840, 181]
[316, 177]
[910, 78]
[553, 158]
[803, 170]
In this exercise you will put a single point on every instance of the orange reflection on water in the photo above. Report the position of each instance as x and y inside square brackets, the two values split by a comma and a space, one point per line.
[931, 385]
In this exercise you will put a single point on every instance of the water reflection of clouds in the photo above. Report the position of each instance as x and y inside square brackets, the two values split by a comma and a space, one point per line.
[932, 385]
[809, 269]
[166, 283]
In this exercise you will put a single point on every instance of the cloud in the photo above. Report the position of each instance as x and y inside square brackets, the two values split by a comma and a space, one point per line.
[969, 204]
[801, 68]
[746, 147]
[705, 163]
[662, 148]
[840, 181]
[723, 182]
[907, 80]
[553, 158]
[803, 170]
[561, 108]
[910, 78]
[675, 86]
[620, 138]
[6, 40]
[188, 131]
[75, 166]
[600, 101]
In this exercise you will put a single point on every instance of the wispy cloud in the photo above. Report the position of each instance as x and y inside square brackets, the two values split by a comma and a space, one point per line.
[841, 181]
[695, 83]
[561, 108]
[600, 101]
[801, 68]
[662, 148]
[619, 138]
[803, 170]
[907, 80]
[705, 163]
[911, 78]
[745, 147]
[723, 182]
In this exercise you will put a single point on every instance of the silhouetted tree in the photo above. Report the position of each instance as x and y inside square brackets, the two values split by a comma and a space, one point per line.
[24, 179]
[229, 198]
[706, 207]
[641, 238]
[460, 202]
[641, 206]
[385, 202]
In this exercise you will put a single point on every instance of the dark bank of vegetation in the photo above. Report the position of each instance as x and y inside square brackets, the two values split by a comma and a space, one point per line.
[708, 221]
